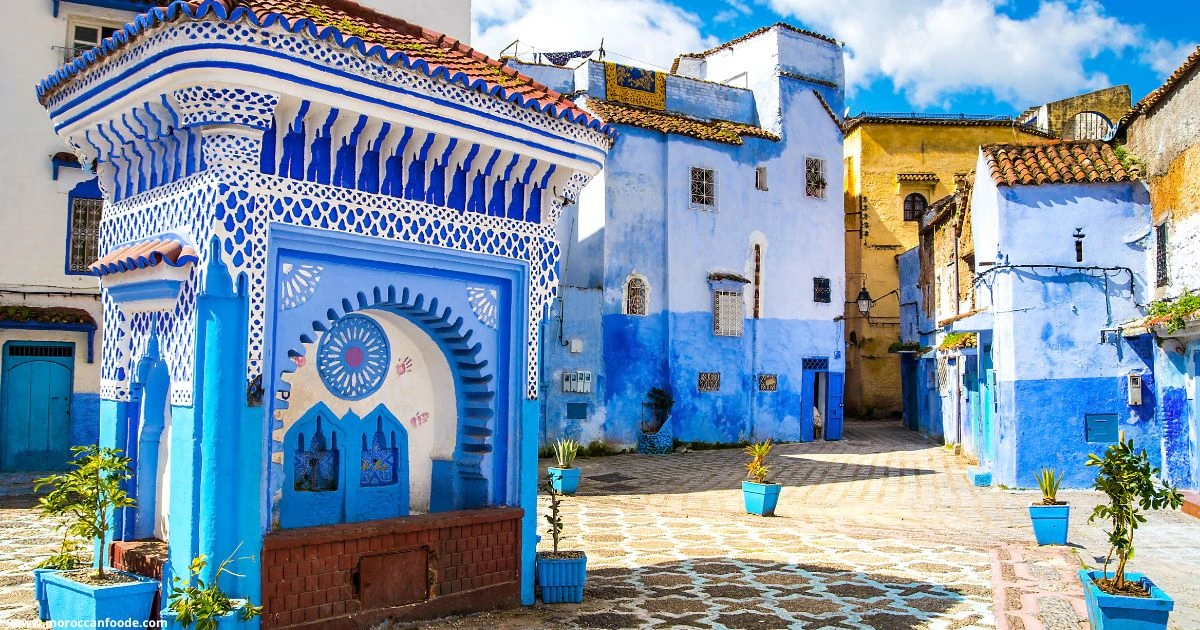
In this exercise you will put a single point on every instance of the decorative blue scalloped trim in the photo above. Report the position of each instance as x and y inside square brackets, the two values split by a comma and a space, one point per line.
[180, 8]
[131, 263]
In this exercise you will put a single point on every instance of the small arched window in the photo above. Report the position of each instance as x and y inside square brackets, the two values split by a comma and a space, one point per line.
[1087, 126]
[635, 296]
[914, 206]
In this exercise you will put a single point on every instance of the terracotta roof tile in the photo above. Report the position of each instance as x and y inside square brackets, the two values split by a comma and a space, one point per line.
[945, 121]
[169, 250]
[916, 177]
[726, 131]
[1164, 90]
[1086, 161]
[350, 25]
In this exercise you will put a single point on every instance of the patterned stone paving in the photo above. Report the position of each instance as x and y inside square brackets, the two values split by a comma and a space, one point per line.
[880, 530]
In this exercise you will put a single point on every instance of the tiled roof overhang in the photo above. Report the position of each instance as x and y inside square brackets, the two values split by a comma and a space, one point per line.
[392, 40]
[725, 131]
[163, 250]
[916, 177]
[858, 121]
[1154, 97]
[1081, 162]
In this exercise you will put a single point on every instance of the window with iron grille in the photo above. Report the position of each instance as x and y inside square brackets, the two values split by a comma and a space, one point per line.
[757, 280]
[728, 313]
[40, 350]
[816, 363]
[704, 188]
[85, 234]
[1161, 275]
[708, 382]
[814, 177]
[635, 296]
[83, 36]
[821, 290]
[768, 382]
[914, 206]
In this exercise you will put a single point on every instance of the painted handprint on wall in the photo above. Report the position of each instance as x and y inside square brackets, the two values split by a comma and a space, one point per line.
[404, 366]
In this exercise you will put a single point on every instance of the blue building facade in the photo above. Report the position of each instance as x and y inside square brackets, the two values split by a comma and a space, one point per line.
[708, 258]
[324, 279]
[1032, 367]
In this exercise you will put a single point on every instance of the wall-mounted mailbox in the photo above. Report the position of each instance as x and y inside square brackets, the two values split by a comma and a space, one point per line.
[1135, 389]
[577, 382]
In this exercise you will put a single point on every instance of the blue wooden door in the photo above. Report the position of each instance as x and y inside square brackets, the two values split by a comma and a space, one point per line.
[987, 408]
[808, 380]
[35, 406]
[835, 381]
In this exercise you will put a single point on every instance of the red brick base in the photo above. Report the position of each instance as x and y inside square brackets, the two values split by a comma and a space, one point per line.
[356, 575]
[1191, 503]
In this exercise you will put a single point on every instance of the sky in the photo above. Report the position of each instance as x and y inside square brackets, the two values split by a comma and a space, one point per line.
[961, 56]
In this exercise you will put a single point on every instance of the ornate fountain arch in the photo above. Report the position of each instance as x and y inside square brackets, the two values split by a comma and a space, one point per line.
[473, 377]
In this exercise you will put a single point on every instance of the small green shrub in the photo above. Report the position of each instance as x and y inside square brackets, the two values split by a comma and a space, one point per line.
[554, 518]
[1174, 313]
[1130, 482]
[88, 495]
[201, 603]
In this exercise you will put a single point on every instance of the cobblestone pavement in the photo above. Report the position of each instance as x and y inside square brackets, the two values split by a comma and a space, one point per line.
[880, 530]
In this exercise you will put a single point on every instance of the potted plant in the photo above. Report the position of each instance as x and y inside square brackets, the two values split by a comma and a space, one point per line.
[656, 437]
[564, 478]
[561, 575]
[86, 497]
[759, 495]
[65, 559]
[1049, 515]
[205, 604]
[1120, 599]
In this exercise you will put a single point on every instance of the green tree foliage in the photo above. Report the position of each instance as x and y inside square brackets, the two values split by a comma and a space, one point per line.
[201, 603]
[87, 495]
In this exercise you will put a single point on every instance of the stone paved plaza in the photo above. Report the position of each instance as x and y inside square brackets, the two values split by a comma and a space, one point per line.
[880, 530]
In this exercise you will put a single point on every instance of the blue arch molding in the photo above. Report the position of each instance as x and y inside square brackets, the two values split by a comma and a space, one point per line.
[183, 9]
[474, 385]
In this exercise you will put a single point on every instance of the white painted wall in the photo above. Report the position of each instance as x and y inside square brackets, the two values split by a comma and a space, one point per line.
[452, 17]
[426, 388]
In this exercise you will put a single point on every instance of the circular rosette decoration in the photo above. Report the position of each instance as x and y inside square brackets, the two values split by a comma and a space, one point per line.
[353, 357]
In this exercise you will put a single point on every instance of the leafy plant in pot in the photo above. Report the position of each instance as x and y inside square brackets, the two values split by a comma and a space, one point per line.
[1121, 599]
[564, 478]
[84, 499]
[656, 437]
[204, 604]
[561, 575]
[1049, 516]
[759, 495]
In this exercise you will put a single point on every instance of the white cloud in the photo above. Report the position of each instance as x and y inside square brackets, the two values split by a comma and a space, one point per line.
[1164, 57]
[931, 49]
[652, 31]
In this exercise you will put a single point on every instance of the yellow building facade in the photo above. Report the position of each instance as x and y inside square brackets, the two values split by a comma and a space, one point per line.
[894, 168]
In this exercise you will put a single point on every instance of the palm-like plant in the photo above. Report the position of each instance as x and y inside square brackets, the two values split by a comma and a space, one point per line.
[757, 469]
[88, 494]
[202, 603]
[1049, 483]
[1129, 481]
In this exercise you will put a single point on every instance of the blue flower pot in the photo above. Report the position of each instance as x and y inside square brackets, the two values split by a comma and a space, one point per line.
[68, 600]
[39, 593]
[1050, 523]
[760, 498]
[564, 480]
[229, 620]
[660, 442]
[1118, 612]
[562, 579]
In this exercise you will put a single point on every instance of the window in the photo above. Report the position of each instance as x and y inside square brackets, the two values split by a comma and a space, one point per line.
[768, 382]
[704, 188]
[85, 234]
[84, 36]
[760, 178]
[728, 313]
[814, 177]
[635, 296]
[914, 206]
[709, 382]
[1161, 275]
[1087, 126]
[757, 281]
[821, 290]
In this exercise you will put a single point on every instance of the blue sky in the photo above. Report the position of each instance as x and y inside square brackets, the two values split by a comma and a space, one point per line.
[972, 56]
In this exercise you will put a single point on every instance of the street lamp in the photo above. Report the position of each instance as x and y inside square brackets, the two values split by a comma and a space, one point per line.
[864, 302]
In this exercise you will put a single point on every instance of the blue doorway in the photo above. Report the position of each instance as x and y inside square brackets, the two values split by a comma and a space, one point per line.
[36, 387]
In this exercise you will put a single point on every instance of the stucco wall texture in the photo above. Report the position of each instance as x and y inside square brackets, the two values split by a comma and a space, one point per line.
[1112, 102]
[875, 153]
